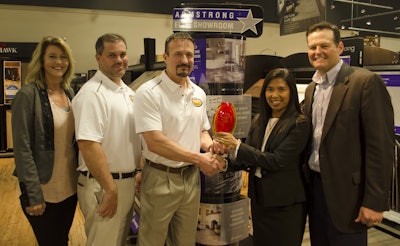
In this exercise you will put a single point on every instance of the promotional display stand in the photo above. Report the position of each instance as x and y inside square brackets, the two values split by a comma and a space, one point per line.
[220, 32]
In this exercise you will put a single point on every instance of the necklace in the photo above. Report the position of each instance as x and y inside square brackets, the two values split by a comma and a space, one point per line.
[50, 91]
[59, 99]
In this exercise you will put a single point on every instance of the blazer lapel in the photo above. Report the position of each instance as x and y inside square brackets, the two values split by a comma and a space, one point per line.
[308, 99]
[338, 93]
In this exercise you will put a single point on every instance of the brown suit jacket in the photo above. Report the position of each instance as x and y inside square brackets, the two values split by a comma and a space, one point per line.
[357, 145]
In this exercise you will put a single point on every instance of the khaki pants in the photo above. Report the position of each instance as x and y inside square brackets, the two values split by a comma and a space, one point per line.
[106, 231]
[169, 207]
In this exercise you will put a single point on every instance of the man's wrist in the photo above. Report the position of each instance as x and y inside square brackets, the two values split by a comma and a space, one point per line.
[137, 170]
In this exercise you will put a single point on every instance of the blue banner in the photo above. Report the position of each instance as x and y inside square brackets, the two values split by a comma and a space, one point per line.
[198, 74]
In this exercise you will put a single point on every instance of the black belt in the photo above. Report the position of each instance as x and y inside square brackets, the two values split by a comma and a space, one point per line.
[168, 169]
[114, 175]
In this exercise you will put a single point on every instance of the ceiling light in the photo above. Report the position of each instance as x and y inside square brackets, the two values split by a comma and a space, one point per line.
[371, 16]
[365, 4]
[371, 30]
[368, 23]
[363, 11]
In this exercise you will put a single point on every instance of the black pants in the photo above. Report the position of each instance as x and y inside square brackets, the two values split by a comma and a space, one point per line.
[53, 226]
[278, 226]
[322, 230]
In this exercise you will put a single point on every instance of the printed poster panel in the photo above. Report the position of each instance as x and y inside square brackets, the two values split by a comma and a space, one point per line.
[353, 49]
[223, 224]
[198, 75]
[392, 81]
[219, 65]
[12, 80]
[297, 15]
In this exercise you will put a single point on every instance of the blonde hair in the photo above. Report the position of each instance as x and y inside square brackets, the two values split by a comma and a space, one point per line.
[36, 66]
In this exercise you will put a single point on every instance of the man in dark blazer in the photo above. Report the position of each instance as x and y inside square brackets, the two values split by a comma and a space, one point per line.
[352, 148]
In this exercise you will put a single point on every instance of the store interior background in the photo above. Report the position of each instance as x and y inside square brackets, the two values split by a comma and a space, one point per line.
[81, 28]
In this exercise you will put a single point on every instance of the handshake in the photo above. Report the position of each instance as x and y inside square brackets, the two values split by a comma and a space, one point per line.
[214, 160]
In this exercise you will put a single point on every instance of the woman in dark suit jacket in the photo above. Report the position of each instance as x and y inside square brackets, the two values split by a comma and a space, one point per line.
[273, 155]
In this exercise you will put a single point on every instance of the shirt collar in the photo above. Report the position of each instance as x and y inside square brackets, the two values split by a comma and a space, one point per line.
[109, 83]
[330, 76]
[172, 86]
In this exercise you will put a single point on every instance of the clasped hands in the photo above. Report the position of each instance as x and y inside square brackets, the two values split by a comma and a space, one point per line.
[211, 164]
[223, 143]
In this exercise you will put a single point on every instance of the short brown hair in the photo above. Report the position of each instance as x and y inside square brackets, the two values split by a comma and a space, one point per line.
[325, 25]
[177, 35]
[108, 37]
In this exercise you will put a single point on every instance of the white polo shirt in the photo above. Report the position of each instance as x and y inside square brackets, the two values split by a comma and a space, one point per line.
[103, 113]
[163, 106]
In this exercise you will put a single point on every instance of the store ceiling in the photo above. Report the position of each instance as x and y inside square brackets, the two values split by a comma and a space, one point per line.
[368, 17]
[148, 6]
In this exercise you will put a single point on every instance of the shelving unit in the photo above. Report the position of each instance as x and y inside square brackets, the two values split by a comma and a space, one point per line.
[391, 221]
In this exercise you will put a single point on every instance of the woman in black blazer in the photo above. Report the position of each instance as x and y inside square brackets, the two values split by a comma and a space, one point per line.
[273, 156]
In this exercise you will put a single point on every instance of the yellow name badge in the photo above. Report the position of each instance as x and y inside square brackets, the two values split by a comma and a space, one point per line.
[197, 102]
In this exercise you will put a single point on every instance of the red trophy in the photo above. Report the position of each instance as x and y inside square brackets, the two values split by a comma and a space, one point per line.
[224, 118]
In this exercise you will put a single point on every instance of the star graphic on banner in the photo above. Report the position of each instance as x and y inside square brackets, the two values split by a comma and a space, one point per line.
[249, 23]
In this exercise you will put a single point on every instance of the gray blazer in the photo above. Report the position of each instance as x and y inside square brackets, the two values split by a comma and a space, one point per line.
[357, 145]
[33, 140]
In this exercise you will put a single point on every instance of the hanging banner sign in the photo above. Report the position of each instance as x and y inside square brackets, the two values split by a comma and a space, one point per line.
[245, 20]
[295, 15]
[17, 50]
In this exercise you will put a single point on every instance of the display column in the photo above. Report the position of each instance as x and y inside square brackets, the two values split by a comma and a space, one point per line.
[220, 32]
